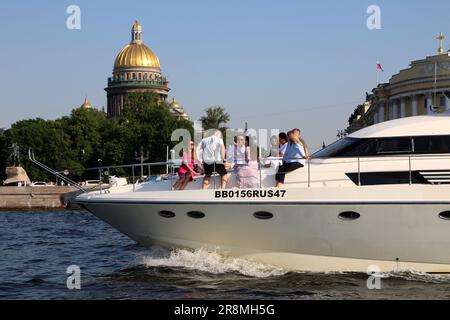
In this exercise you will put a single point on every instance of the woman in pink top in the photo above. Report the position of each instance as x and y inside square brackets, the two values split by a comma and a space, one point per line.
[186, 171]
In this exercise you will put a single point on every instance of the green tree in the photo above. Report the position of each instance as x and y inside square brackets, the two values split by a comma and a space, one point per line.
[116, 145]
[151, 125]
[3, 154]
[50, 144]
[85, 129]
[214, 118]
[77, 141]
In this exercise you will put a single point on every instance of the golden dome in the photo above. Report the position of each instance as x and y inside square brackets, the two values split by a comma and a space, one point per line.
[86, 104]
[136, 54]
[174, 103]
[177, 110]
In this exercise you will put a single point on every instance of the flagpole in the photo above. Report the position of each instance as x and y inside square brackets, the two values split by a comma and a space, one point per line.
[378, 76]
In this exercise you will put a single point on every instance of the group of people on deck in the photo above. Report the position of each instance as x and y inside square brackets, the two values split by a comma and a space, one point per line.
[211, 156]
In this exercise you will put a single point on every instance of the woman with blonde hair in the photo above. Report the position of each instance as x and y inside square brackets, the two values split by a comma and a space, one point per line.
[294, 157]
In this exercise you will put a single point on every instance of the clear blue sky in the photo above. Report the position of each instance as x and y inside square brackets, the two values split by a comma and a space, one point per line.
[275, 64]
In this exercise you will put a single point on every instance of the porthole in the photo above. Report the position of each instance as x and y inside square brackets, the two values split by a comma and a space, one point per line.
[263, 215]
[445, 215]
[349, 215]
[166, 214]
[196, 214]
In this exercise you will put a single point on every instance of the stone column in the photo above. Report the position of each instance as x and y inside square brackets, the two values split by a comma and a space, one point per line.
[414, 105]
[402, 108]
[390, 106]
[395, 110]
[381, 111]
[447, 103]
[429, 99]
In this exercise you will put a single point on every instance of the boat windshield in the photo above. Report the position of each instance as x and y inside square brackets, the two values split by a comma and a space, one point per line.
[335, 148]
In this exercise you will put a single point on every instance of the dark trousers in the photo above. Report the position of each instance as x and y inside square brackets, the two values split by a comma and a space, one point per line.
[285, 168]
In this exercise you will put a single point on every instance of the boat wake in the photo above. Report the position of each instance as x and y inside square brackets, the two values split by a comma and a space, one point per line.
[416, 276]
[205, 260]
[208, 261]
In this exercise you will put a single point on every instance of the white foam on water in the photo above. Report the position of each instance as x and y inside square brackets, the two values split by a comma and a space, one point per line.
[412, 275]
[206, 260]
[209, 261]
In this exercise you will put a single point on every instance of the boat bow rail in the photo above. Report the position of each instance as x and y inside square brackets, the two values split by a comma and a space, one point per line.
[170, 171]
[69, 181]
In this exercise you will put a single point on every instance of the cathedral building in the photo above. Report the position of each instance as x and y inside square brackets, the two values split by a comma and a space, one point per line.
[137, 69]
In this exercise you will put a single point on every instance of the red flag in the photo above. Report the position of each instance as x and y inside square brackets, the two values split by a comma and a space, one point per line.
[379, 67]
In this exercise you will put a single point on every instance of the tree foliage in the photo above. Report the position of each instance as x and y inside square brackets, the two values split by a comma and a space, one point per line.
[79, 140]
[3, 153]
[215, 118]
[144, 109]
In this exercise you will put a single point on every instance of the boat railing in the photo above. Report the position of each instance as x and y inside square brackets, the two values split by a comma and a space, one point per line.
[409, 159]
[171, 166]
[69, 181]
[135, 179]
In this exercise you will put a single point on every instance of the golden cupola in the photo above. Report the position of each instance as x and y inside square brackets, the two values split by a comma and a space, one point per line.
[177, 110]
[136, 54]
[86, 104]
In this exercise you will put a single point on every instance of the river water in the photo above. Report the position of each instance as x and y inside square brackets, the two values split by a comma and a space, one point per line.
[36, 248]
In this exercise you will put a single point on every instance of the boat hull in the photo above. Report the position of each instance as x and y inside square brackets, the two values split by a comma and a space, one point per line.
[299, 236]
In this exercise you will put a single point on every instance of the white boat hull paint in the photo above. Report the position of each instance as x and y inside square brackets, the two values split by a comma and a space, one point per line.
[402, 232]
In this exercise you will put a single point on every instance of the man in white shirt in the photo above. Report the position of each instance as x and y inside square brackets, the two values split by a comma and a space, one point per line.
[212, 152]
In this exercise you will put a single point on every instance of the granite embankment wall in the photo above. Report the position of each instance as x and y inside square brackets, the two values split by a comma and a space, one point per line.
[25, 198]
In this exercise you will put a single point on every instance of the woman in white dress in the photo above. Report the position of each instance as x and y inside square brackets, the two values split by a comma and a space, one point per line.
[245, 164]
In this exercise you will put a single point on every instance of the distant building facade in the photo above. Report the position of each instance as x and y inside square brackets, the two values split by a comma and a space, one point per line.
[423, 88]
[136, 69]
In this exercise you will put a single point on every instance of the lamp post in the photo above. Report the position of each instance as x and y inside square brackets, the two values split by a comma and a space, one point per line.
[142, 157]
[100, 161]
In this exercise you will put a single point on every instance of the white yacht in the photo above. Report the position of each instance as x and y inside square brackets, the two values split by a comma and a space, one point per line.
[380, 196]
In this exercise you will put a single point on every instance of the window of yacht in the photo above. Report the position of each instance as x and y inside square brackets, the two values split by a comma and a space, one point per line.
[196, 214]
[432, 145]
[362, 148]
[445, 215]
[349, 216]
[166, 214]
[393, 145]
[263, 215]
[385, 178]
[334, 149]
[353, 147]
[370, 147]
